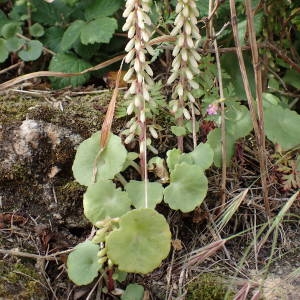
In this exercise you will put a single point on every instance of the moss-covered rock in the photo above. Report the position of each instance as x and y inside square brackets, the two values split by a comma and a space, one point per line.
[21, 281]
[207, 287]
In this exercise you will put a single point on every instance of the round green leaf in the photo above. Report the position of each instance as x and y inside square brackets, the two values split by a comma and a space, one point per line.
[282, 126]
[108, 163]
[202, 155]
[133, 292]
[136, 192]
[102, 200]
[9, 30]
[187, 189]
[31, 51]
[141, 243]
[36, 30]
[178, 130]
[3, 50]
[68, 63]
[82, 263]
[99, 30]
[14, 44]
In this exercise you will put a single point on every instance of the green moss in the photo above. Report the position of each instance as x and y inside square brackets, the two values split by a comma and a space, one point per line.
[20, 281]
[207, 287]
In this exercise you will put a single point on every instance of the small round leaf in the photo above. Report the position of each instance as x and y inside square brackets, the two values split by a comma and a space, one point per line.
[83, 264]
[136, 192]
[202, 155]
[109, 163]
[133, 292]
[141, 243]
[102, 200]
[187, 189]
[37, 30]
[32, 51]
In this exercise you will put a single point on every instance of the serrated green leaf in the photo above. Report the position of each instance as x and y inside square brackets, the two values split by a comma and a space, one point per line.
[9, 30]
[71, 34]
[32, 50]
[102, 8]
[109, 163]
[102, 199]
[269, 100]
[68, 63]
[50, 13]
[238, 122]
[52, 38]
[282, 126]
[178, 130]
[3, 50]
[187, 189]
[99, 30]
[142, 241]
[36, 30]
[136, 193]
[82, 263]
[133, 292]
[13, 44]
[214, 140]
[202, 155]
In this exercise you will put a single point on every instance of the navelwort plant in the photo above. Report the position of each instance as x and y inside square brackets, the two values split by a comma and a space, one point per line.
[133, 240]
[131, 235]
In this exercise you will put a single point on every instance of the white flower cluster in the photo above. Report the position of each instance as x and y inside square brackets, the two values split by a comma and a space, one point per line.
[186, 58]
[139, 74]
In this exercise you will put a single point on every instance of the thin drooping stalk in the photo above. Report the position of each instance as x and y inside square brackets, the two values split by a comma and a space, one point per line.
[259, 101]
[250, 100]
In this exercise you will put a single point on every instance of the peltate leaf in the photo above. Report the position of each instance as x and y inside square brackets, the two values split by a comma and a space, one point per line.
[99, 30]
[68, 63]
[202, 155]
[187, 189]
[282, 126]
[102, 200]
[133, 292]
[141, 242]
[108, 164]
[102, 8]
[32, 50]
[14, 44]
[136, 192]
[36, 30]
[10, 30]
[82, 263]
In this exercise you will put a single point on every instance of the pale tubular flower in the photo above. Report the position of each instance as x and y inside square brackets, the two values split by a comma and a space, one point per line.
[186, 58]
